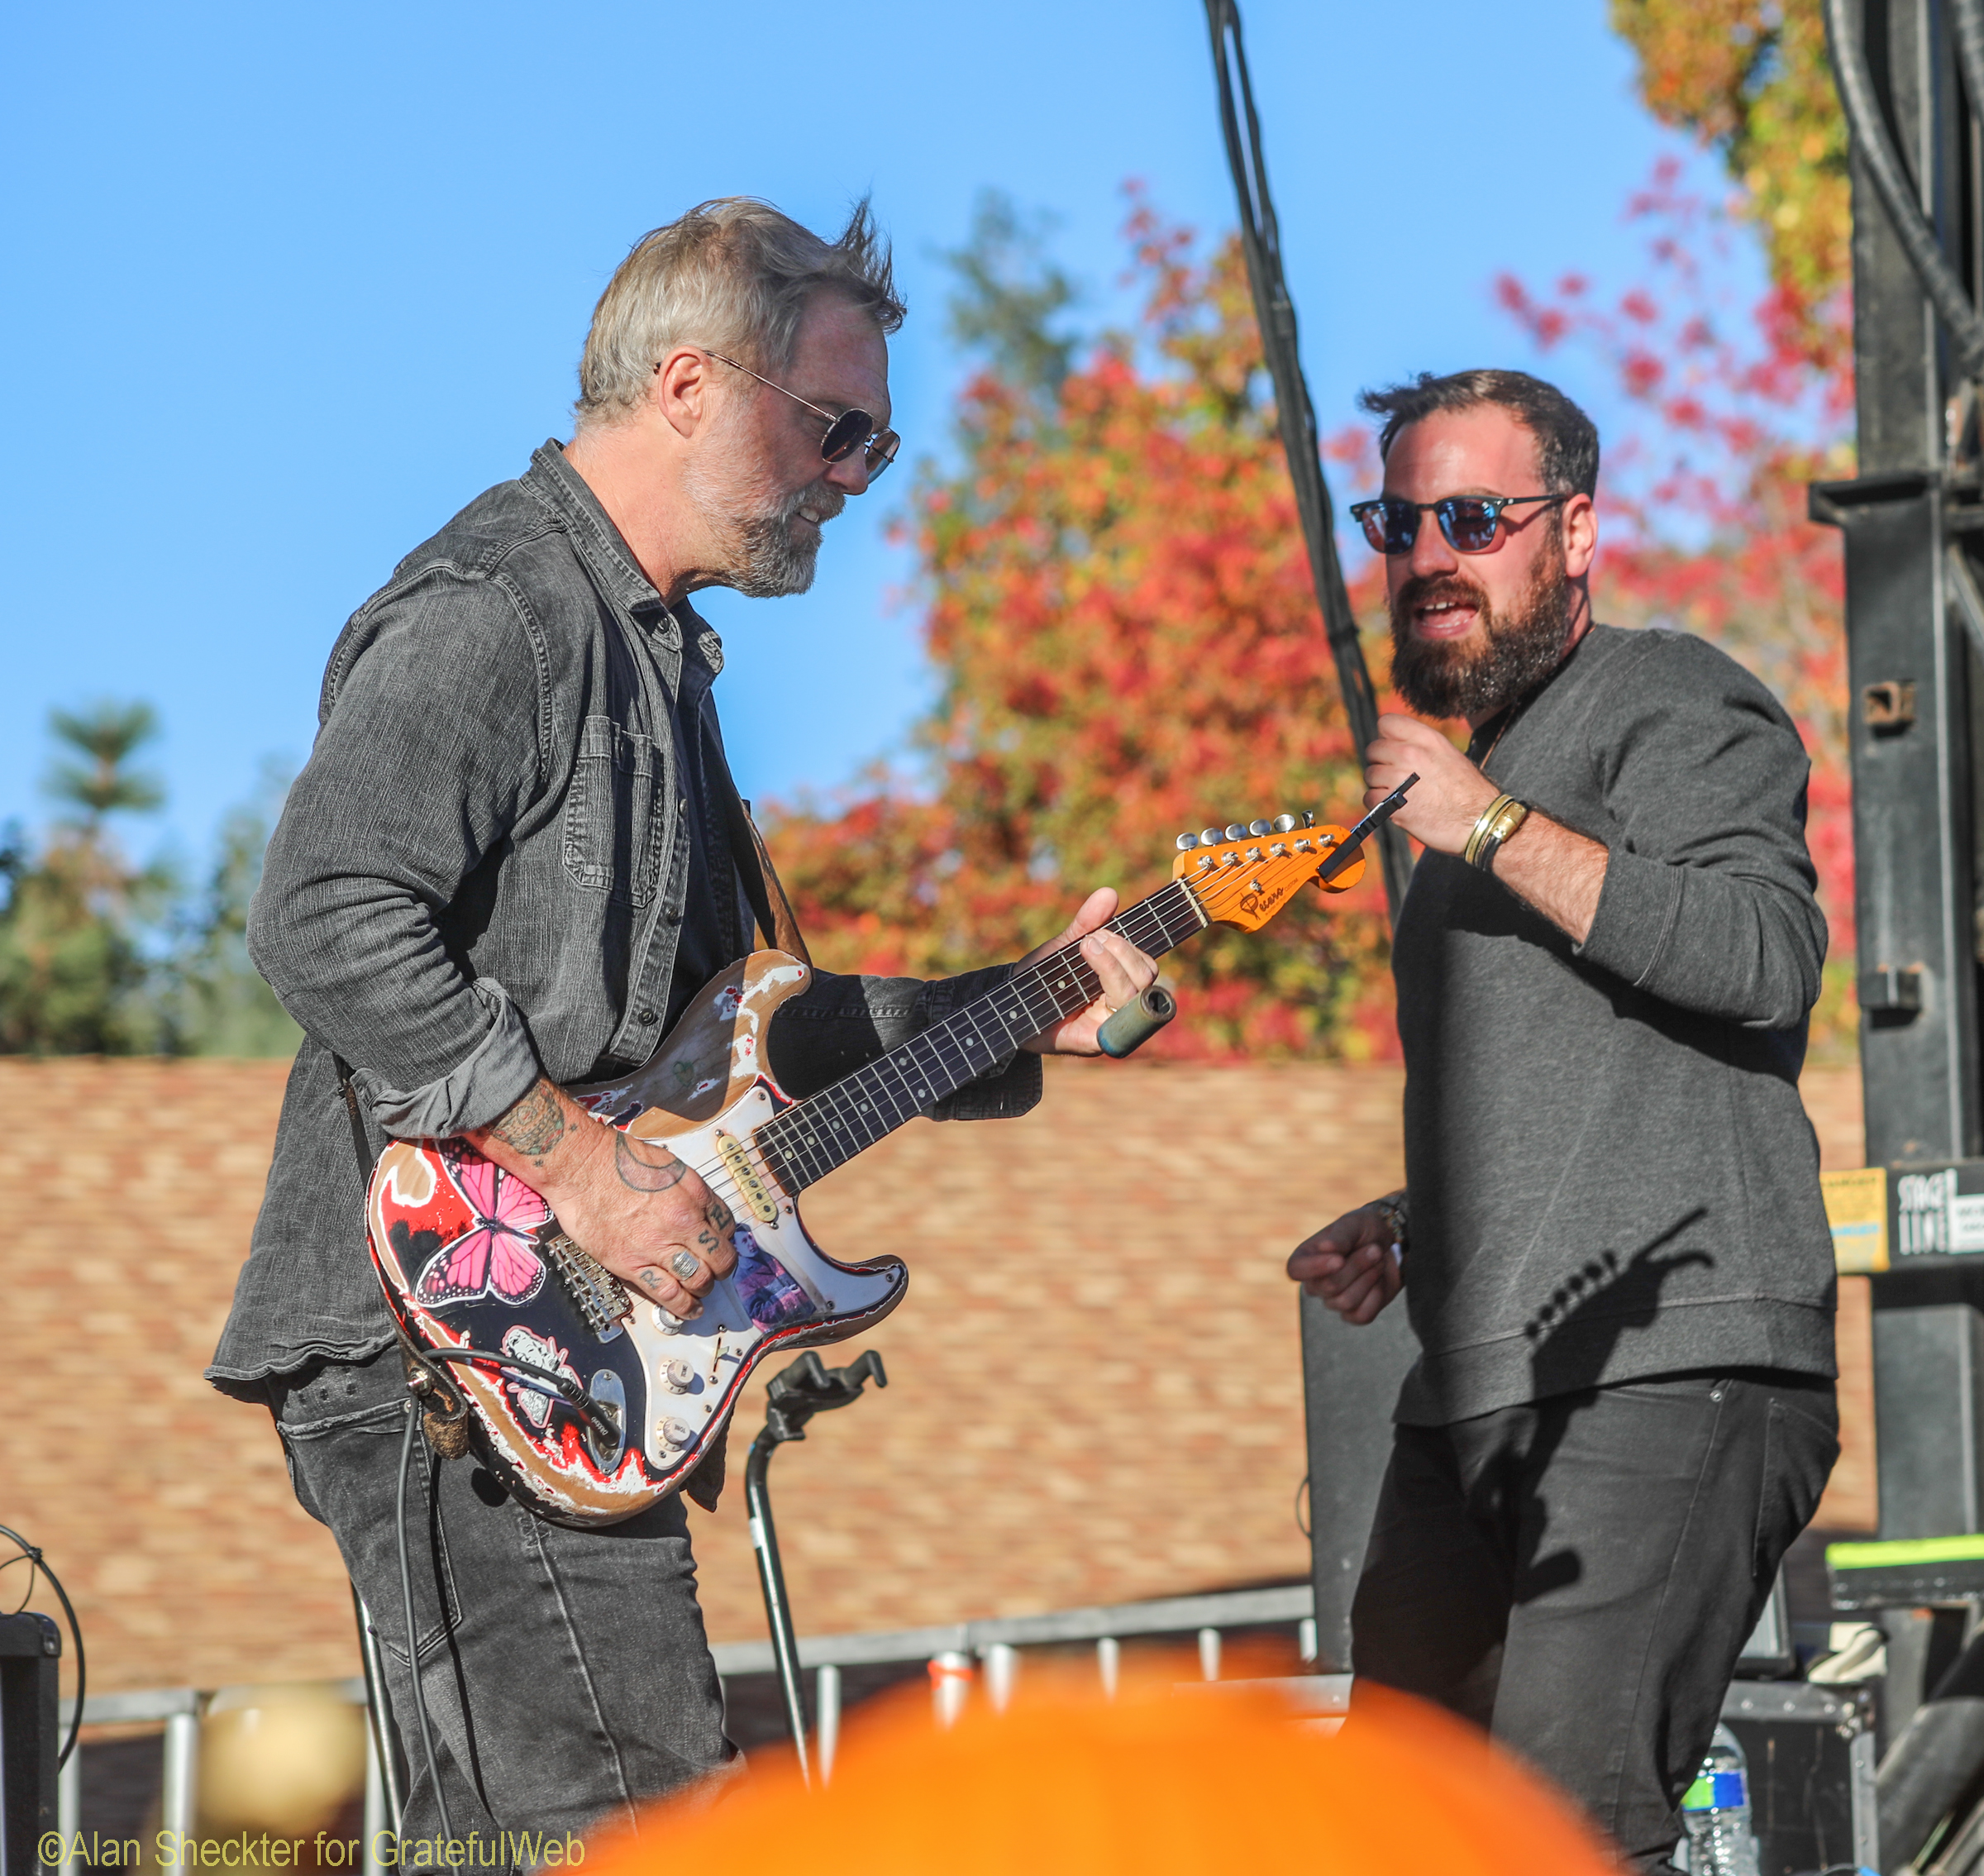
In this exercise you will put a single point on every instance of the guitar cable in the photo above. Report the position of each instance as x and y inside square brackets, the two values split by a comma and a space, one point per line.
[546, 1380]
[426, 1361]
[406, 1597]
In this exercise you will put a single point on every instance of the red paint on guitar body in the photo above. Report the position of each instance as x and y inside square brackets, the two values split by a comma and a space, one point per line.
[454, 1240]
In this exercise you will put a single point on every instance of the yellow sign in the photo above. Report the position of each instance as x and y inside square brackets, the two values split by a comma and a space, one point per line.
[1856, 1207]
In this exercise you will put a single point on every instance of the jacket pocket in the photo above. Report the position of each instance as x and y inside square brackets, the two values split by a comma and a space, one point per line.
[615, 812]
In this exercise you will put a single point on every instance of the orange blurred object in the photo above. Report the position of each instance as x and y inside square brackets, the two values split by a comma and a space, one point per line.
[1163, 1779]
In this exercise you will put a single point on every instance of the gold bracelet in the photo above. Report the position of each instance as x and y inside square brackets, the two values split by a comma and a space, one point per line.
[1483, 827]
[1499, 821]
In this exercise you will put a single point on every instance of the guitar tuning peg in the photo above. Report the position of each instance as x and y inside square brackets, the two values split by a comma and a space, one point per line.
[1187, 841]
[1210, 837]
[1309, 818]
[1259, 827]
[1237, 831]
[1285, 823]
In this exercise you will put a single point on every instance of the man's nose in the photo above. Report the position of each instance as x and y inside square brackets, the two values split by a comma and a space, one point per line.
[1430, 553]
[850, 474]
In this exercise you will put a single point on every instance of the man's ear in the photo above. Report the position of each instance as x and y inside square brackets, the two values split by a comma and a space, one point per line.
[681, 388]
[1580, 536]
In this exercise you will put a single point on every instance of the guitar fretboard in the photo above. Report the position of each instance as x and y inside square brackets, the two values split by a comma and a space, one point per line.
[810, 1139]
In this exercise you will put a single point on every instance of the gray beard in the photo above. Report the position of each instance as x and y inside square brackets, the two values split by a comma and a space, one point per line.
[767, 560]
[770, 560]
[1522, 649]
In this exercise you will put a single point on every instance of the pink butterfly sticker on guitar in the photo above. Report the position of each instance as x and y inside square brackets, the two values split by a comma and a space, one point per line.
[497, 1256]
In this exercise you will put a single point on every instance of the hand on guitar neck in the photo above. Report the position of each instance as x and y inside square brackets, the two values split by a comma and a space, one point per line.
[1124, 972]
[639, 1211]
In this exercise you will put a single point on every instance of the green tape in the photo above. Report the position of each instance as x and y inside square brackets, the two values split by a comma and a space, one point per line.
[1904, 1552]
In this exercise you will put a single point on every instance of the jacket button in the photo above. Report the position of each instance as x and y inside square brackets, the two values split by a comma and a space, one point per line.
[644, 1017]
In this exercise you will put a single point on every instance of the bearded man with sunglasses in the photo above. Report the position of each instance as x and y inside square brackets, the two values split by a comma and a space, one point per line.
[1610, 1242]
[515, 854]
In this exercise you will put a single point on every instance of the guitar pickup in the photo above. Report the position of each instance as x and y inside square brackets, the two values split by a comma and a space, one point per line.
[749, 1181]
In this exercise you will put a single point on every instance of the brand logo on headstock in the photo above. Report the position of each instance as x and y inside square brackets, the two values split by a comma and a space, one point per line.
[1263, 901]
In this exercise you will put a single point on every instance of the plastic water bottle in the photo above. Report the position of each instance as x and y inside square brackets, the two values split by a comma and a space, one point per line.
[1716, 1810]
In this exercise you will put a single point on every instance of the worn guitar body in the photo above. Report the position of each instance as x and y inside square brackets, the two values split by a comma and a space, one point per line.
[589, 1404]
[471, 1256]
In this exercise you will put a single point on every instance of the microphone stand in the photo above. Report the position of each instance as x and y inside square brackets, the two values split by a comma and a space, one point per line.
[796, 1394]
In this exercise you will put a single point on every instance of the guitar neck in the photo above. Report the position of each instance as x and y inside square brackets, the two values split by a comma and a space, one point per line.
[810, 1139]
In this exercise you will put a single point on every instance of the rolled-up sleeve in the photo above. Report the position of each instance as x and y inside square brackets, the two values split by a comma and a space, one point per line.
[1708, 902]
[430, 747]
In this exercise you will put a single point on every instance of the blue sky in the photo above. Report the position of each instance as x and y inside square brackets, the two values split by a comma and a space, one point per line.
[289, 285]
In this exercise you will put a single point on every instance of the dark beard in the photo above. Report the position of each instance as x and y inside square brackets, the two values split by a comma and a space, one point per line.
[1469, 679]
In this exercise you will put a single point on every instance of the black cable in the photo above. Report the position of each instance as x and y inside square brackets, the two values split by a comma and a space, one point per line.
[1275, 311]
[36, 1561]
[562, 1385]
[406, 1597]
[1891, 183]
[1967, 17]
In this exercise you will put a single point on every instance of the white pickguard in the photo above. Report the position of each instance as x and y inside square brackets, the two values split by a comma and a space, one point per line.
[721, 1344]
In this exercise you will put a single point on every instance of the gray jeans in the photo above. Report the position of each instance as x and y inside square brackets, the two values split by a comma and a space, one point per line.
[566, 1672]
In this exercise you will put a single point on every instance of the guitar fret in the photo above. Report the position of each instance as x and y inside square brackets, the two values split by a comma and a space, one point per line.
[933, 1073]
[815, 1136]
[883, 1088]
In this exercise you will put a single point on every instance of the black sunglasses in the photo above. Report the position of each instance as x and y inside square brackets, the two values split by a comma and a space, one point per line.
[1470, 523]
[851, 430]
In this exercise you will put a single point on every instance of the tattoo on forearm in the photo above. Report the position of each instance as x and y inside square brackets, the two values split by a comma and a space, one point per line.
[644, 1166]
[534, 1124]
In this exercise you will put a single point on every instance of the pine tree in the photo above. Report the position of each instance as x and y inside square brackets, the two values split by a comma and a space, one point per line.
[74, 972]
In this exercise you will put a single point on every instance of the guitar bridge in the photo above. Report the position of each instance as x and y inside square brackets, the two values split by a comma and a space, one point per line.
[596, 1293]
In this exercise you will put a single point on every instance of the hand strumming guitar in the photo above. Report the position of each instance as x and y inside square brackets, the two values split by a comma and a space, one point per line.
[630, 1205]
[643, 1213]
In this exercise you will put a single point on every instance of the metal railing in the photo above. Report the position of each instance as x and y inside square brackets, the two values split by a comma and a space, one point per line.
[957, 1653]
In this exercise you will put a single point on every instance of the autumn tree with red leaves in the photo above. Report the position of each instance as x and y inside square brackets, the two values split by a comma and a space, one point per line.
[1119, 602]
[1703, 503]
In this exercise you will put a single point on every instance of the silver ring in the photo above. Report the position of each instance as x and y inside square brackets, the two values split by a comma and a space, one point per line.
[684, 1264]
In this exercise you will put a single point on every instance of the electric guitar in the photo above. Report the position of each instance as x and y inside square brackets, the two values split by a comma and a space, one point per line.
[590, 1404]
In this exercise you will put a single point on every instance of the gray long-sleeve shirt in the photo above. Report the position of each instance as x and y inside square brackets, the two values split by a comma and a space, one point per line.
[1611, 1174]
[483, 873]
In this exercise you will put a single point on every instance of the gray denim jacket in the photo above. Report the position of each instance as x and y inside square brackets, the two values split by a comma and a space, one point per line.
[479, 876]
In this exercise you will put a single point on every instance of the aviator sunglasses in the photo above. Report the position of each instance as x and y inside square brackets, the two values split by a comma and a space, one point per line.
[851, 430]
[1470, 523]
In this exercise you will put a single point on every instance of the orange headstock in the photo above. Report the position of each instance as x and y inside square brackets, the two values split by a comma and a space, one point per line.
[1243, 876]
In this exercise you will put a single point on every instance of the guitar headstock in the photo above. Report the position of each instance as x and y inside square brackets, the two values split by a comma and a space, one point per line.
[1243, 875]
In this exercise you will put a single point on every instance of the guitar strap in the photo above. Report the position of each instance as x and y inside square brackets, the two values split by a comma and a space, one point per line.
[360, 1145]
[759, 879]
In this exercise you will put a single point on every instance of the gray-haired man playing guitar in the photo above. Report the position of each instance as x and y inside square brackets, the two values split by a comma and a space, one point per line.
[515, 854]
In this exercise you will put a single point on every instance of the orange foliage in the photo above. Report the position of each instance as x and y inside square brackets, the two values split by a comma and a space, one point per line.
[1119, 603]
[1752, 78]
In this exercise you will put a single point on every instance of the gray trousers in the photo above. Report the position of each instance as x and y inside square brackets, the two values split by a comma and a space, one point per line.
[566, 1672]
[1579, 1575]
